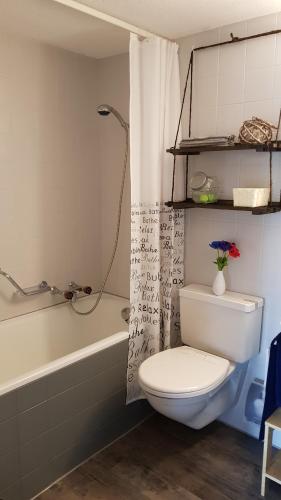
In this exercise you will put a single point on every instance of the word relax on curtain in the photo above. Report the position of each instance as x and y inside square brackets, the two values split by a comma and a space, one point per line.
[157, 272]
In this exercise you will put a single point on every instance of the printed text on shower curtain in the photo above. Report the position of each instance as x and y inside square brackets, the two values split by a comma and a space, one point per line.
[156, 274]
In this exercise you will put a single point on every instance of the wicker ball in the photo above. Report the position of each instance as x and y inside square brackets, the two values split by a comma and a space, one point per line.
[256, 130]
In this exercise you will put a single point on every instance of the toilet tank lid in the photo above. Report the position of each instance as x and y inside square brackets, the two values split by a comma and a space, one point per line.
[233, 300]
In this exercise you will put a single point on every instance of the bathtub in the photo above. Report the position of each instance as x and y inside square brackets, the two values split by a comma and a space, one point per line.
[62, 392]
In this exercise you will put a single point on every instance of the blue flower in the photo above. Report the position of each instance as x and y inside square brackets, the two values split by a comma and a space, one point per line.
[225, 246]
[220, 245]
[215, 245]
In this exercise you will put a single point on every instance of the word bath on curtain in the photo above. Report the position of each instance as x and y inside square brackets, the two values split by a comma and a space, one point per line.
[156, 272]
[157, 239]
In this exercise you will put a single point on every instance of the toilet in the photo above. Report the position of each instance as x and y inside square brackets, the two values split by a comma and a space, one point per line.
[196, 383]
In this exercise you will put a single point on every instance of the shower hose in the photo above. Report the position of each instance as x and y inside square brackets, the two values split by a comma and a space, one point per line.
[117, 233]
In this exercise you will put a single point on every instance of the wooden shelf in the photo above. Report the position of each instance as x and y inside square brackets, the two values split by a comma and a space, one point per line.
[225, 205]
[274, 421]
[272, 208]
[271, 464]
[238, 146]
[273, 471]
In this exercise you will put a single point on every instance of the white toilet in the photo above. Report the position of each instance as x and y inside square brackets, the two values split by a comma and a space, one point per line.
[196, 383]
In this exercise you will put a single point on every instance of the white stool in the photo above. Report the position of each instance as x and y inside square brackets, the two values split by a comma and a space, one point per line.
[271, 465]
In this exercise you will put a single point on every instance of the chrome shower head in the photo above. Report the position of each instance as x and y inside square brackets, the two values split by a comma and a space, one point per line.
[103, 110]
[106, 109]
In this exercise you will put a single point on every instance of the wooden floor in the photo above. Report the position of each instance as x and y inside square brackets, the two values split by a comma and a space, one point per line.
[164, 460]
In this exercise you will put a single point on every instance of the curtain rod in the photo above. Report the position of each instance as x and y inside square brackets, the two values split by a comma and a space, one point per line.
[236, 39]
[90, 11]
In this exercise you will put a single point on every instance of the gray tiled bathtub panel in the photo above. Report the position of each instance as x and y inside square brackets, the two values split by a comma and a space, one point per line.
[9, 470]
[13, 492]
[52, 424]
[93, 441]
[8, 435]
[33, 422]
[89, 392]
[38, 451]
[87, 368]
[33, 394]
[8, 405]
[39, 479]
[85, 423]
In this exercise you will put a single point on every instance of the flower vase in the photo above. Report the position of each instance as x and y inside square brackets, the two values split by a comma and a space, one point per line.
[219, 284]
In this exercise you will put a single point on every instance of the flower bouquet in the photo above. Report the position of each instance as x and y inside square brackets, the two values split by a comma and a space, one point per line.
[225, 250]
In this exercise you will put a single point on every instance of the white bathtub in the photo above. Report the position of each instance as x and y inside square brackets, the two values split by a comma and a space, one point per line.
[36, 344]
[62, 392]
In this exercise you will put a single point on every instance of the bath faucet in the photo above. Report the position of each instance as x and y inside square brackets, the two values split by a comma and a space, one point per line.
[73, 291]
[74, 287]
[78, 288]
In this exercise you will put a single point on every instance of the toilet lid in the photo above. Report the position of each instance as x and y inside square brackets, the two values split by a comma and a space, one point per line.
[182, 371]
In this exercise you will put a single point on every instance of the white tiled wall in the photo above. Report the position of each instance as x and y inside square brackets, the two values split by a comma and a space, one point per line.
[231, 84]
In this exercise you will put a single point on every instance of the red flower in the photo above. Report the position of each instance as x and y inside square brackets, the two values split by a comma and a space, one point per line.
[233, 251]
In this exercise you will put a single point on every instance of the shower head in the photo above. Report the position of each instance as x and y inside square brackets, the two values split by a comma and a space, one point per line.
[103, 110]
[106, 109]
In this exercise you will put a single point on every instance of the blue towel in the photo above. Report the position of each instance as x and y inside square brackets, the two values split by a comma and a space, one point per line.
[273, 382]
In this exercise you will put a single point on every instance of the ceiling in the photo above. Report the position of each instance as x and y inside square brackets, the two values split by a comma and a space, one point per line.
[55, 24]
[177, 18]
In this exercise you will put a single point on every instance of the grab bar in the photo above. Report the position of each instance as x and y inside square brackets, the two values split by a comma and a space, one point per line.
[43, 287]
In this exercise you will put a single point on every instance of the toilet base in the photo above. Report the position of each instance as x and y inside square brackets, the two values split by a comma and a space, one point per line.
[199, 411]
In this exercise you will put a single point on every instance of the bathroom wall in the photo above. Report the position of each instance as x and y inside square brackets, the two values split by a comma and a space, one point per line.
[113, 88]
[231, 84]
[61, 168]
[50, 174]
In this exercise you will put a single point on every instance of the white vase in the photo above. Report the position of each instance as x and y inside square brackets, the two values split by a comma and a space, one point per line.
[219, 284]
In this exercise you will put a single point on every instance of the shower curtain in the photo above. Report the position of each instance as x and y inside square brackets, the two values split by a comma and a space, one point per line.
[157, 232]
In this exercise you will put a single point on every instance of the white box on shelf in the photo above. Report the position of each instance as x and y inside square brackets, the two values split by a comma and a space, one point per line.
[250, 197]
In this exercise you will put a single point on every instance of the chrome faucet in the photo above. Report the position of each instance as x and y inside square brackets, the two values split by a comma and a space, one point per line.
[73, 291]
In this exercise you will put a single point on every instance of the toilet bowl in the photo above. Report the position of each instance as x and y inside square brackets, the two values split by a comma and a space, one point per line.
[188, 385]
[196, 383]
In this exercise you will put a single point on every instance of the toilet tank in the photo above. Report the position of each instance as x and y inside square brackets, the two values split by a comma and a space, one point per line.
[229, 325]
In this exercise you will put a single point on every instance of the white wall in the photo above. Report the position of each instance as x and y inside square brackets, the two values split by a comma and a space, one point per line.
[231, 84]
[49, 170]
[113, 85]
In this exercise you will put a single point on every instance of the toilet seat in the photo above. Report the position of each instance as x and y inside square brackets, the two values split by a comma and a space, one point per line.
[183, 372]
